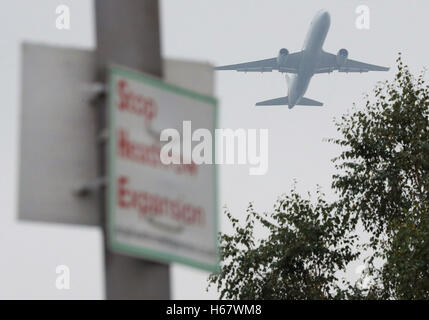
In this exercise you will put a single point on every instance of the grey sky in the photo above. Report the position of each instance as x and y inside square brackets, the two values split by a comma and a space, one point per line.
[220, 32]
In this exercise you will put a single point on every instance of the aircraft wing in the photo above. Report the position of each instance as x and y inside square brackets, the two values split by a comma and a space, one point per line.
[291, 65]
[328, 63]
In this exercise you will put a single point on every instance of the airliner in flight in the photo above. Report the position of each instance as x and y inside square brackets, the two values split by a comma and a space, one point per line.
[304, 64]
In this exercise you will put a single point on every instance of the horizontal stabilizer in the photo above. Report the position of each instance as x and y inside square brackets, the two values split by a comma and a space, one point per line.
[285, 101]
[274, 102]
[308, 102]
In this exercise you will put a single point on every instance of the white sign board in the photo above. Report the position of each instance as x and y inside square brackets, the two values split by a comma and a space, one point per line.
[58, 151]
[163, 212]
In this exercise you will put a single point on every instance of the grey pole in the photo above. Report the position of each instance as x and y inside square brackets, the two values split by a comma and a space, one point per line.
[128, 34]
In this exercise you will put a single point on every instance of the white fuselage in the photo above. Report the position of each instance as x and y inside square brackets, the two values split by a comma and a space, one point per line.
[313, 44]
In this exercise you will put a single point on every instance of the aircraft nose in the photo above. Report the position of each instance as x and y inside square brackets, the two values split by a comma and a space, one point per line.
[326, 17]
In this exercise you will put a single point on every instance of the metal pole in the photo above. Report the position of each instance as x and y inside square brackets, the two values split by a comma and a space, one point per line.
[128, 34]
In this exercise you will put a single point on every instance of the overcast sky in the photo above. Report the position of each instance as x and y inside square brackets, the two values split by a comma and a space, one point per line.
[219, 32]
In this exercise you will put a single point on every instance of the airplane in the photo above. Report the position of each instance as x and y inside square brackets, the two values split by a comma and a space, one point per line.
[304, 64]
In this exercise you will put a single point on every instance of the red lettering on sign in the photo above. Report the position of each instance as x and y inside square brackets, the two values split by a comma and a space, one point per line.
[148, 155]
[134, 103]
[155, 205]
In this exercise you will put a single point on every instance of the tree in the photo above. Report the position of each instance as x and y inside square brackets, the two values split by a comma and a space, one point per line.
[307, 244]
[382, 183]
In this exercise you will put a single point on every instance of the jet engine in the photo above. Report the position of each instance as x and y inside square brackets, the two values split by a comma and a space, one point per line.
[342, 56]
[282, 57]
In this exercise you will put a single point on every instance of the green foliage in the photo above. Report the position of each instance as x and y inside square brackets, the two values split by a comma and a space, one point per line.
[386, 162]
[382, 183]
[307, 244]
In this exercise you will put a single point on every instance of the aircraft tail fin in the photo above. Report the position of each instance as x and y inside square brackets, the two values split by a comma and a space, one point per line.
[285, 101]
